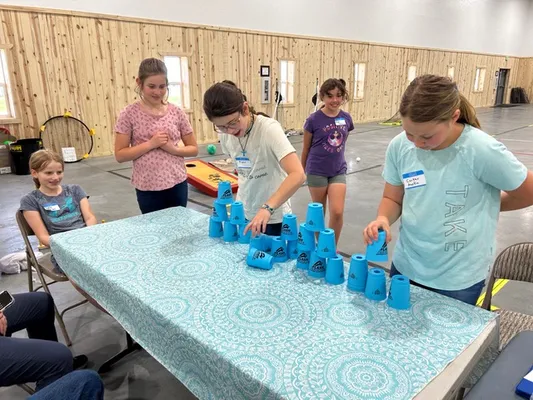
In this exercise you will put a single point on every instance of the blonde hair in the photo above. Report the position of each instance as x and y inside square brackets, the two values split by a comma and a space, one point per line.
[432, 98]
[41, 159]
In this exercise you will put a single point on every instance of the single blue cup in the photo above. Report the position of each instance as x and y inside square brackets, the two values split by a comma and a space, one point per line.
[377, 251]
[399, 293]
[302, 262]
[215, 228]
[358, 273]
[279, 250]
[225, 194]
[326, 244]
[236, 216]
[292, 249]
[220, 212]
[244, 239]
[289, 227]
[315, 217]
[230, 232]
[267, 243]
[258, 243]
[317, 266]
[306, 238]
[335, 270]
[376, 285]
[259, 259]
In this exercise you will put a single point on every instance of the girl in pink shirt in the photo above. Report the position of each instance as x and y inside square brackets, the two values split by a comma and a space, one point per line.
[147, 133]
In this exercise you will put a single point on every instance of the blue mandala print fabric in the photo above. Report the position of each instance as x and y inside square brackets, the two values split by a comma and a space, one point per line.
[228, 331]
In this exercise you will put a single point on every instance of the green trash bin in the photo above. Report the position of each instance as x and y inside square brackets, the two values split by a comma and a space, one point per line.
[21, 151]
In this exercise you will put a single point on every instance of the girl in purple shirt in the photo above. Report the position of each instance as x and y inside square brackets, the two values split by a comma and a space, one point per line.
[325, 134]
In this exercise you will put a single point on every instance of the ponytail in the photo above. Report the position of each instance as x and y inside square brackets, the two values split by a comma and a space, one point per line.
[468, 113]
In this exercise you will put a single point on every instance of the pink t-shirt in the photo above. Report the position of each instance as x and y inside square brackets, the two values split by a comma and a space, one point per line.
[157, 169]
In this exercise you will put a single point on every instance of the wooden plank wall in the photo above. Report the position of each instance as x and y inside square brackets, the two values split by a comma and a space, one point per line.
[525, 76]
[86, 64]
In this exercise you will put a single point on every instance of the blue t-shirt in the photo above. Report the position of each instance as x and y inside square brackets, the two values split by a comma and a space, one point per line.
[448, 225]
[326, 155]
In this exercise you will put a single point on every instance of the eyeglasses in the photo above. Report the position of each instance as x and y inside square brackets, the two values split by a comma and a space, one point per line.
[233, 124]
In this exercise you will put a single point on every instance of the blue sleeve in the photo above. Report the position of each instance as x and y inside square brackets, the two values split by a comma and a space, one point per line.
[29, 203]
[391, 173]
[78, 193]
[497, 166]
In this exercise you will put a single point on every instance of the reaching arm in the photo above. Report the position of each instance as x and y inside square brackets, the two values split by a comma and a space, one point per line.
[389, 210]
[518, 198]
[87, 212]
[37, 225]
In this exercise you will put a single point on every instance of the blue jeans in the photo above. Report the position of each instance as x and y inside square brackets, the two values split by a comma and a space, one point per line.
[468, 295]
[78, 385]
[150, 201]
[40, 358]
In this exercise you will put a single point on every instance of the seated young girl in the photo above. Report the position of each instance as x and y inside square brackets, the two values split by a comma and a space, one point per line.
[52, 207]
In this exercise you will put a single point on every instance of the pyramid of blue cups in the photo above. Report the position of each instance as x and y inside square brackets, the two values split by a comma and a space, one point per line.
[313, 247]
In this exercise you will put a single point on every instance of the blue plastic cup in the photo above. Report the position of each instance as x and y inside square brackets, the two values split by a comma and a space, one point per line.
[302, 262]
[326, 244]
[215, 228]
[225, 194]
[315, 217]
[257, 242]
[376, 285]
[267, 243]
[236, 216]
[306, 238]
[358, 273]
[335, 270]
[289, 227]
[279, 250]
[220, 212]
[244, 239]
[399, 293]
[377, 251]
[292, 249]
[317, 266]
[259, 259]
[230, 232]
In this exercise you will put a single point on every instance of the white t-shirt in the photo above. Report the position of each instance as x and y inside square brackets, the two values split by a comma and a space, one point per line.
[266, 145]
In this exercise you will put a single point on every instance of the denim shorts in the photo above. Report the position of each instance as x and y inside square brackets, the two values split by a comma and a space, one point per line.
[470, 295]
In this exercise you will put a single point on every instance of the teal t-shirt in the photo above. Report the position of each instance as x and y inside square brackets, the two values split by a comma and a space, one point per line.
[451, 208]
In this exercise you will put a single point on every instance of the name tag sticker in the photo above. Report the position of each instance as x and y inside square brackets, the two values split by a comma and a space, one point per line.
[414, 179]
[51, 207]
[243, 162]
[340, 121]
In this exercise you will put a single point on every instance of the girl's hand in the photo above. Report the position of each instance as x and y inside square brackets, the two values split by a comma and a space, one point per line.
[259, 223]
[158, 140]
[3, 324]
[370, 233]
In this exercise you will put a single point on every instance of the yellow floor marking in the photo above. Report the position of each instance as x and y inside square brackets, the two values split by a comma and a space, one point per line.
[500, 283]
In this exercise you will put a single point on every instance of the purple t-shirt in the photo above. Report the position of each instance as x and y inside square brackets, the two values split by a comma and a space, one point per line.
[326, 155]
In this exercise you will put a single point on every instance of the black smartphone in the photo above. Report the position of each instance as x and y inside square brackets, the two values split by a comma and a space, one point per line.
[5, 300]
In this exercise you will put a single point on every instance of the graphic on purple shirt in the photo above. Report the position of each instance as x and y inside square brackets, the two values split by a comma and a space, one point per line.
[326, 155]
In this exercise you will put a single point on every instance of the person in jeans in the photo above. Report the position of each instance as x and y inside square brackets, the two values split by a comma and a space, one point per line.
[77, 385]
[39, 358]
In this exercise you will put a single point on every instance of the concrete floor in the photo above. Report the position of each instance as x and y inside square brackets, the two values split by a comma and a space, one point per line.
[112, 197]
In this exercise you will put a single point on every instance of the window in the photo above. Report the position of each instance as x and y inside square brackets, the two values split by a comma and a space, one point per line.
[411, 73]
[286, 73]
[479, 81]
[359, 87]
[7, 108]
[178, 81]
[451, 72]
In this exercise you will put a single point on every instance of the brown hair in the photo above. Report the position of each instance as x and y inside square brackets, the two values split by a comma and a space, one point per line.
[41, 159]
[224, 98]
[150, 67]
[332, 84]
[432, 98]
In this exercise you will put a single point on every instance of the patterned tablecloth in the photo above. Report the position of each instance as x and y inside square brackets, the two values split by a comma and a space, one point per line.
[228, 331]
